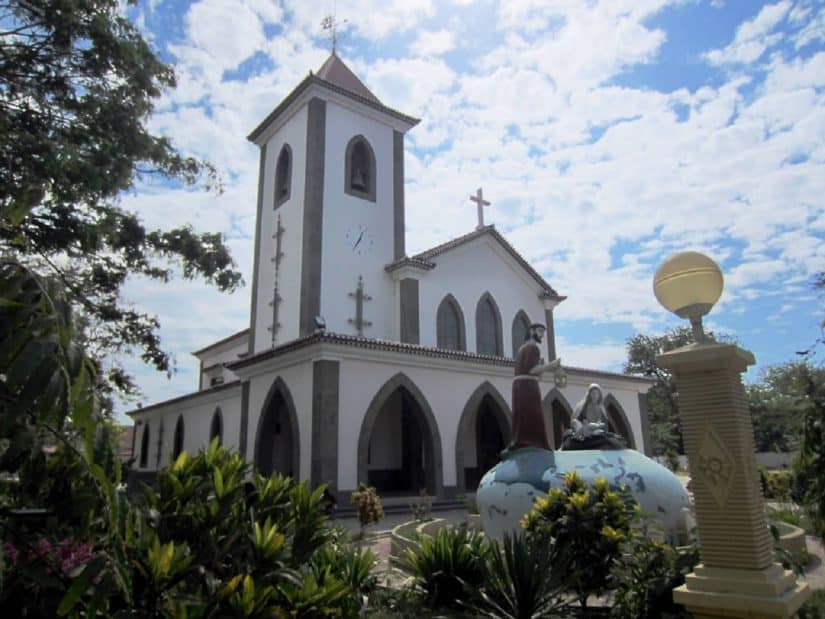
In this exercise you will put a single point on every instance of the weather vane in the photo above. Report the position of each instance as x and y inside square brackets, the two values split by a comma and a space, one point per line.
[329, 23]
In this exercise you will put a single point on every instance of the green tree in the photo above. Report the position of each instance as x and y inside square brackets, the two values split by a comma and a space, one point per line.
[809, 467]
[662, 398]
[77, 85]
[777, 403]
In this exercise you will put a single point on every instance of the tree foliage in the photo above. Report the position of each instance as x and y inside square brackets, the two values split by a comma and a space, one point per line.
[663, 397]
[77, 86]
[778, 401]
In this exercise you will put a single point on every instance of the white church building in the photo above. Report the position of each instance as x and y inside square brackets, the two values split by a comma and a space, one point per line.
[362, 363]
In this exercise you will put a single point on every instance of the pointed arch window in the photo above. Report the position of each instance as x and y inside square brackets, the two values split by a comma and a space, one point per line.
[177, 445]
[520, 331]
[488, 327]
[216, 429]
[450, 325]
[283, 176]
[144, 447]
[359, 177]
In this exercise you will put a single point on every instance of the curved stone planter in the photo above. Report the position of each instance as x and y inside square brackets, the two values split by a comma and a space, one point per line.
[792, 539]
[399, 543]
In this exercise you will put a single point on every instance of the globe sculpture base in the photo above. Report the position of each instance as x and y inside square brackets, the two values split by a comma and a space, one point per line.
[507, 491]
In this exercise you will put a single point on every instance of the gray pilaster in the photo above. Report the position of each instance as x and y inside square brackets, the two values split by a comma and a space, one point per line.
[324, 469]
[257, 257]
[550, 334]
[398, 194]
[409, 311]
[645, 421]
[242, 437]
[313, 216]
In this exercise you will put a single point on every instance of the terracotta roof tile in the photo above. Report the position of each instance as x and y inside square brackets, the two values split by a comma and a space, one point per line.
[336, 72]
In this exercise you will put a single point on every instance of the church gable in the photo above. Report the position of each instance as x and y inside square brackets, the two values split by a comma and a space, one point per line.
[478, 295]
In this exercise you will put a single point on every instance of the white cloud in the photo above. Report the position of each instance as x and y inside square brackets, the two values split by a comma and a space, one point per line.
[433, 43]
[752, 38]
[592, 182]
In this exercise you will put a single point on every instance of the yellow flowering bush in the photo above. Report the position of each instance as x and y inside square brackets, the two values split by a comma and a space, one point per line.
[585, 527]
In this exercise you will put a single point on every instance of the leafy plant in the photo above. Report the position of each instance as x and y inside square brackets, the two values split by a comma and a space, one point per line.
[814, 608]
[521, 581]
[421, 506]
[808, 487]
[368, 504]
[587, 526]
[672, 460]
[448, 565]
[645, 575]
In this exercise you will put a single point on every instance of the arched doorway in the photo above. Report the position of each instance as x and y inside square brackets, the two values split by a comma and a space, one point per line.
[484, 430]
[276, 442]
[399, 448]
[558, 415]
[618, 420]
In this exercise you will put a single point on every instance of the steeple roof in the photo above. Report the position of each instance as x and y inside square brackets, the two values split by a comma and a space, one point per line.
[337, 77]
[336, 72]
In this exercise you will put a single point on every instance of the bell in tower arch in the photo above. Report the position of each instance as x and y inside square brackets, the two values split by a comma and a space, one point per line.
[359, 179]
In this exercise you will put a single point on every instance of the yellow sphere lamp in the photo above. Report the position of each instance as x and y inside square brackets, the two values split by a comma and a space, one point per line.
[689, 284]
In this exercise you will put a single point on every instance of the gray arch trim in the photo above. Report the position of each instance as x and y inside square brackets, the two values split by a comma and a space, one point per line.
[435, 472]
[520, 317]
[497, 317]
[279, 387]
[610, 401]
[369, 194]
[462, 333]
[286, 151]
[547, 410]
[504, 417]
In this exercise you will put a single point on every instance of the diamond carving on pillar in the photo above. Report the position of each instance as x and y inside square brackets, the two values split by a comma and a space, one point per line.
[715, 465]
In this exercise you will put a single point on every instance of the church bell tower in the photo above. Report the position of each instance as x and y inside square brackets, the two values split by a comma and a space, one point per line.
[330, 212]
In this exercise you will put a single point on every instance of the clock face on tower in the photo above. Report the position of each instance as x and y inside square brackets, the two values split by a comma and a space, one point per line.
[359, 239]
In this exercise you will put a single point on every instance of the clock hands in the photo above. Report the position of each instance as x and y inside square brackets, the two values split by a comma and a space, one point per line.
[358, 242]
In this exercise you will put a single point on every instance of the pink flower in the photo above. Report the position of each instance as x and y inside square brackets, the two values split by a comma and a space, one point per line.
[11, 552]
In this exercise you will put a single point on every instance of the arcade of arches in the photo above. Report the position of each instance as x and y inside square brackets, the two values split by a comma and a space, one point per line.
[400, 449]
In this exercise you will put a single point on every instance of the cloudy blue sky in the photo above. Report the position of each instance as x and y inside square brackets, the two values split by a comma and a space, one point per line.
[607, 135]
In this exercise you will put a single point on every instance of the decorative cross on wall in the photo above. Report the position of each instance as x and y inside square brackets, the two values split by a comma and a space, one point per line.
[480, 203]
[360, 297]
[275, 304]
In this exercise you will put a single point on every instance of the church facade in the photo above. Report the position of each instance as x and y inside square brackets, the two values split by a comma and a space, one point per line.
[362, 363]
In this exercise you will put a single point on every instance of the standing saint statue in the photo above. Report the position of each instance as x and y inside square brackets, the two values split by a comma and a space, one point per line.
[528, 421]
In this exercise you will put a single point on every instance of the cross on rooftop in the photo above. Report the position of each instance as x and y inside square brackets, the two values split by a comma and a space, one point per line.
[480, 203]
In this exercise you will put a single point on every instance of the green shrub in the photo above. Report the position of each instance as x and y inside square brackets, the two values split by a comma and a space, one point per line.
[809, 467]
[776, 485]
[207, 542]
[646, 574]
[448, 565]
[368, 504]
[814, 608]
[672, 459]
[588, 526]
[520, 581]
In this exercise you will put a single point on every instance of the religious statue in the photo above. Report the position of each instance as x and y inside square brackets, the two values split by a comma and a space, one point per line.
[528, 421]
[590, 424]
